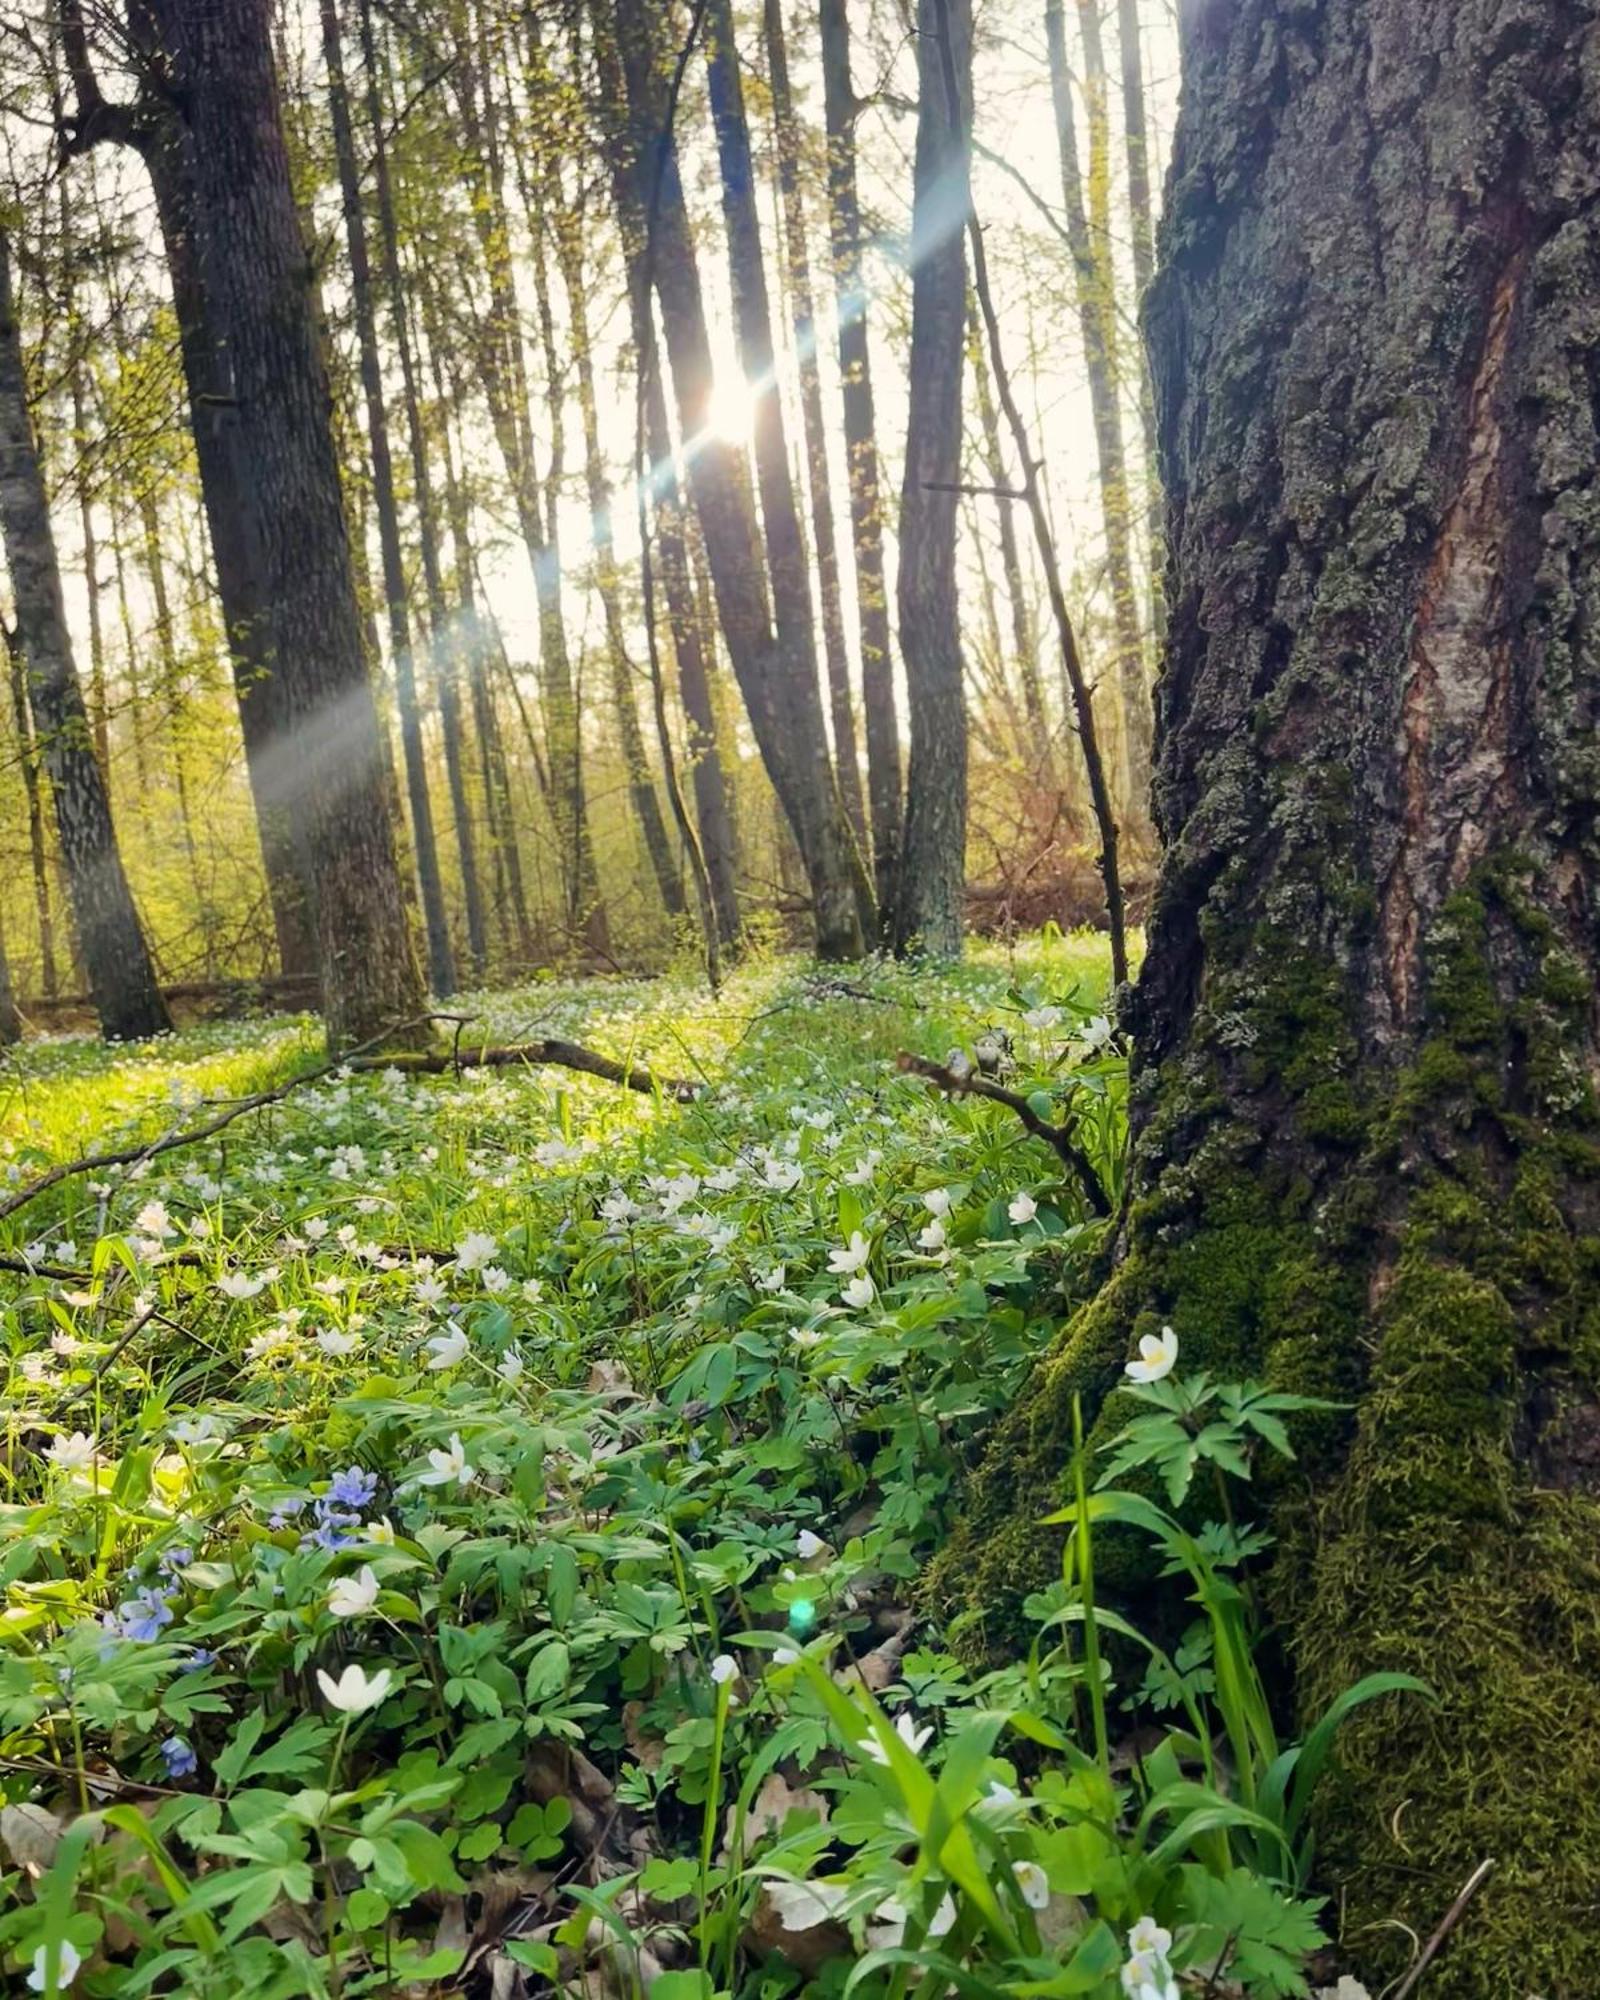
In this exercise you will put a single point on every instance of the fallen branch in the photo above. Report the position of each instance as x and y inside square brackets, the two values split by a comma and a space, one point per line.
[1056, 1137]
[562, 1055]
[149, 1149]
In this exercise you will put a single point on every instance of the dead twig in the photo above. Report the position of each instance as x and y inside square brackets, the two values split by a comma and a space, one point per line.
[1056, 1137]
[1452, 1917]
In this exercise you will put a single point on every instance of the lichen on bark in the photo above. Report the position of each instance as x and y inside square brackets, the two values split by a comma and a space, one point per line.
[1366, 1154]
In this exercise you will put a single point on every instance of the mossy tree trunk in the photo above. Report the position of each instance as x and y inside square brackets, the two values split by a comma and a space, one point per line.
[1366, 1139]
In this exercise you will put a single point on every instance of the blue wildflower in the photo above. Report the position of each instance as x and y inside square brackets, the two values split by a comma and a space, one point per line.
[143, 1615]
[354, 1488]
[198, 1659]
[180, 1760]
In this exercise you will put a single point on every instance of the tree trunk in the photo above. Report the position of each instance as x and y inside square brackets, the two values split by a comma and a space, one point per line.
[552, 209]
[33, 791]
[165, 143]
[932, 885]
[802, 308]
[1038, 747]
[1141, 229]
[776, 670]
[115, 955]
[780, 515]
[77, 368]
[503, 373]
[1088, 233]
[691, 642]
[10, 1019]
[425, 847]
[254, 266]
[170, 690]
[861, 447]
[465, 631]
[1366, 1149]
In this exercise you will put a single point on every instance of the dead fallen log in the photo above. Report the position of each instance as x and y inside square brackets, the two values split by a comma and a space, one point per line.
[534, 1055]
[1057, 1137]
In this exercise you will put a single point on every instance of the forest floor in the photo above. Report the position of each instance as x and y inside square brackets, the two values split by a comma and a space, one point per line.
[424, 1495]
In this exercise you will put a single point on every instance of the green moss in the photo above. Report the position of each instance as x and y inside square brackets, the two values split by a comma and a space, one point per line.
[1415, 1243]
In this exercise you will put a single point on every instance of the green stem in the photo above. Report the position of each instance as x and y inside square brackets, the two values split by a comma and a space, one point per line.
[708, 1826]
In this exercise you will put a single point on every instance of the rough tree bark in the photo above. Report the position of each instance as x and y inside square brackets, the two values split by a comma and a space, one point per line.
[115, 955]
[1366, 1152]
[861, 445]
[775, 668]
[932, 884]
[219, 58]
[425, 846]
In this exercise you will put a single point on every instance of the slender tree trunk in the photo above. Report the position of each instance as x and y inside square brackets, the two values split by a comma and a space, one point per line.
[170, 689]
[453, 638]
[10, 1019]
[33, 792]
[802, 307]
[1088, 233]
[1038, 747]
[1366, 1037]
[255, 270]
[861, 446]
[424, 844]
[563, 217]
[504, 379]
[138, 733]
[115, 955]
[1136, 152]
[780, 515]
[776, 670]
[929, 906]
[77, 368]
[465, 630]
[692, 636]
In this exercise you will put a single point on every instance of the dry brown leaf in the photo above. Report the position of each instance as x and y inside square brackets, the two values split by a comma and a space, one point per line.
[769, 1809]
[647, 1749]
[30, 1834]
[609, 1378]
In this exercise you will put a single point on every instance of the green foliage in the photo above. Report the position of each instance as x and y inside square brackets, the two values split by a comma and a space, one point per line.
[417, 1435]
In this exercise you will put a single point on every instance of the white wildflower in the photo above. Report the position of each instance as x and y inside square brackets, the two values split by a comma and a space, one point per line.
[355, 1691]
[1158, 1356]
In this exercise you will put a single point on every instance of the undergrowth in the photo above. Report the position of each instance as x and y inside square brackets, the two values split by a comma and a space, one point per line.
[459, 1533]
